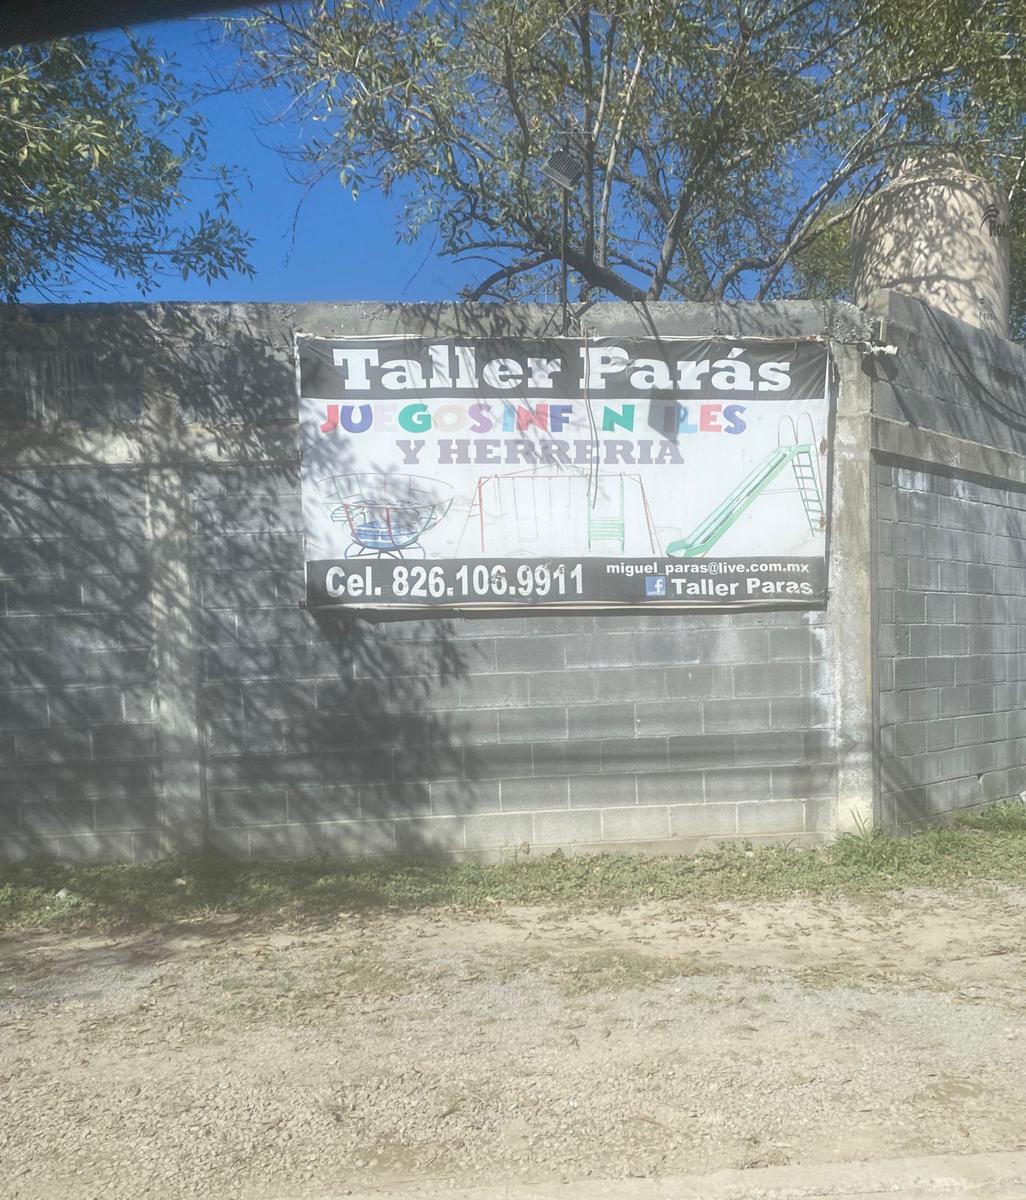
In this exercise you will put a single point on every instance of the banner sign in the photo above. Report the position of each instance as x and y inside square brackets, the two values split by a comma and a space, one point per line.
[564, 472]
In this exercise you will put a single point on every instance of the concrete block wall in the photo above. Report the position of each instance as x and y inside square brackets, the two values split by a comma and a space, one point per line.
[224, 714]
[949, 539]
[80, 742]
[952, 644]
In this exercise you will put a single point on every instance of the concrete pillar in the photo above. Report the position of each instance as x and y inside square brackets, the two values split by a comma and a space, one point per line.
[183, 810]
[851, 593]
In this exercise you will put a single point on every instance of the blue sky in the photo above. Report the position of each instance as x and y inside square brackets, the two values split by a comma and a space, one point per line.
[342, 250]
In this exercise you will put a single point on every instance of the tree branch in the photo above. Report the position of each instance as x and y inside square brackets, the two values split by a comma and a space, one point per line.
[505, 274]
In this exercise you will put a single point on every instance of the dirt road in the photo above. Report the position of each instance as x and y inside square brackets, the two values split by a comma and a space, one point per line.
[520, 1044]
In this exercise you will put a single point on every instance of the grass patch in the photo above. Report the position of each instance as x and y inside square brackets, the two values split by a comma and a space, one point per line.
[988, 846]
[618, 970]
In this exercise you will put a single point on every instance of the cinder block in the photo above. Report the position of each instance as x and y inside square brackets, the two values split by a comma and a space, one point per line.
[801, 644]
[493, 691]
[609, 650]
[980, 578]
[298, 770]
[89, 847]
[23, 710]
[279, 698]
[216, 626]
[139, 705]
[241, 662]
[738, 785]
[785, 746]
[533, 724]
[782, 817]
[668, 717]
[530, 795]
[244, 737]
[567, 828]
[899, 741]
[768, 680]
[499, 762]
[41, 594]
[337, 802]
[667, 648]
[800, 782]
[699, 682]
[980, 698]
[567, 757]
[17, 849]
[23, 633]
[59, 744]
[821, 815]
[263, 551]
[638, 823]
[239, 589]
[923, 704]
[924, 640]
[249, 807]
[383, 800]
[628, 683]
[492, 831]
[422, 835]
[351, 839]
[469, 727]
[939, 609]
[735, 716]
[886, 502]
[703, 820]
[456, 797]
[696, 751]
[940, 671]
[910, 673]
[968, 731]
[820, 745]
[418, 761]
[425, 693]
[116, 815]
[602, 791]
[530, 654]
[911, 607]
[602, 721]
[746, 646]
[124, 741]
[89, 780]
[993, 727]
[220, 701]
[52, 817]
[802, 712]
[565, 687]
[675, 787]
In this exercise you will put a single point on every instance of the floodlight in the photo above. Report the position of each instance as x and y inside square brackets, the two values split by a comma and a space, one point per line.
[565, 168]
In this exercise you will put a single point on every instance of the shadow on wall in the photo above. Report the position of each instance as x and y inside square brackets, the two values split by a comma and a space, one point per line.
[159, 685]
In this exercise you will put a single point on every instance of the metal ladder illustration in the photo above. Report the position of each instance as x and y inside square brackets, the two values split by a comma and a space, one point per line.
[608, 529]
[808, 487]
[709, 531]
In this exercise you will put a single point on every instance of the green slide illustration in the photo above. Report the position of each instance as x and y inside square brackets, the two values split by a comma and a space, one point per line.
[705, 535]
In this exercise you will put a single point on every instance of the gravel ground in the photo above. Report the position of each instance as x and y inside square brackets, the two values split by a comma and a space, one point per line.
[206, 1060]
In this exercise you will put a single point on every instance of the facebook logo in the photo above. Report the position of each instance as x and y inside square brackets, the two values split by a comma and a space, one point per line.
[655, 586]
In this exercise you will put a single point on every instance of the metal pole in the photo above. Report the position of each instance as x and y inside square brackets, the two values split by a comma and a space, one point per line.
[562, 260]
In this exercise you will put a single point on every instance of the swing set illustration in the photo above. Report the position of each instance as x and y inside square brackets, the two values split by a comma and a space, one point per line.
[530, 501]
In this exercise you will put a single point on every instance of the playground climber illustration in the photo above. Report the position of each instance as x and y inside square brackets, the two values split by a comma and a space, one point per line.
[384, 516]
